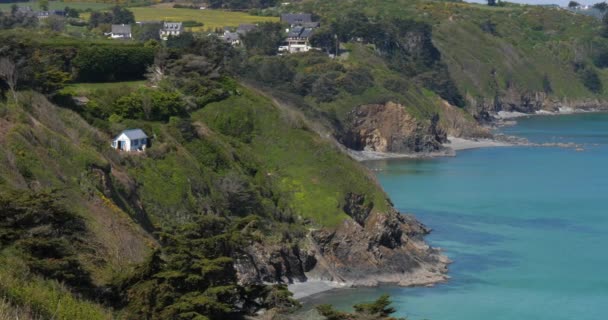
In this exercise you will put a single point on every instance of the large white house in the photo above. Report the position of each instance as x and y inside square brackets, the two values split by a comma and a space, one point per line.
[131, 140]
[171, 29]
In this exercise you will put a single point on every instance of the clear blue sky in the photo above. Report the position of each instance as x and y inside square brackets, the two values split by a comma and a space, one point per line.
[560, 2]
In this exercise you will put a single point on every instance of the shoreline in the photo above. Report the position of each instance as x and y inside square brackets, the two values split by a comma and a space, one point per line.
[310, 288]
[455, 144]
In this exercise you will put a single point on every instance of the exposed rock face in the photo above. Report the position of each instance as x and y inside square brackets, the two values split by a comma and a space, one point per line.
[525, 101]
[456, 122]
[388, 248]
[390, 128]
[371, 248]
[274, 264]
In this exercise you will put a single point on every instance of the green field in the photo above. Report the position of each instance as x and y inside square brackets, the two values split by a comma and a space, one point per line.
[211, 18]
[56, 5]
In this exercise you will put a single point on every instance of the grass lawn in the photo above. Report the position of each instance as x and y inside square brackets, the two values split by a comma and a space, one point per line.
[87, 88]
[56, 5]
[211, 18]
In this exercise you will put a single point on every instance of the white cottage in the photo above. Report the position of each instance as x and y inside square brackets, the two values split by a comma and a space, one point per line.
[131, 140]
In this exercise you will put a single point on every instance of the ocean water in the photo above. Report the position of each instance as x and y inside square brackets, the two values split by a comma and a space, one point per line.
[526, 227]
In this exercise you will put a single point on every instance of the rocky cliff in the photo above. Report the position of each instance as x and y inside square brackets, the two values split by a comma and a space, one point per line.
[529, 102]
[390, 127]
[370, 248]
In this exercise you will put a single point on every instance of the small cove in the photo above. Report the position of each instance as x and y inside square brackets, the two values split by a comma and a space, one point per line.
[526, 227]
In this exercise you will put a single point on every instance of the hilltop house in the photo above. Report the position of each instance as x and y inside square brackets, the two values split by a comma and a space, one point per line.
[120, 31]
[244, 28]
[45, 14]
[297, 40]
[234, 38]
[171, 29]
[131, 140]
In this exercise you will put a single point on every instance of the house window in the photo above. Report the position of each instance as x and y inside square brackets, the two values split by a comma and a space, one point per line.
[135, 143]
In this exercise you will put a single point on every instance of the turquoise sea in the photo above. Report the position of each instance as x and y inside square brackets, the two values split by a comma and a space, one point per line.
[526, 227]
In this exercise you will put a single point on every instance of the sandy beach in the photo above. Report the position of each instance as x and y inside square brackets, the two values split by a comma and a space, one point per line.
[464, 144]
[304, 289]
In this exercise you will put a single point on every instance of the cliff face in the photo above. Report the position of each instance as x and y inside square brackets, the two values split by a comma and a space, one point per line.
[390, 128]
[370, 248]
[525, 101]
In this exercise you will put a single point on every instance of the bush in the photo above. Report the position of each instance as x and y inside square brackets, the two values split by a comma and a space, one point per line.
[324, 89]
[112, 63]
[591, 80]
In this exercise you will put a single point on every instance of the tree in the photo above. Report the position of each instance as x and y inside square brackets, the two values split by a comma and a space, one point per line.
[324, 38]
[44, 5]
[264, 40]
[71, 13]
[9, 73]
[121, 15]
[55, 23]
[492, 2]
[377, 310]
[147, 31]
[547, 88]
[591, 80]
[573, 4]
[601, 6]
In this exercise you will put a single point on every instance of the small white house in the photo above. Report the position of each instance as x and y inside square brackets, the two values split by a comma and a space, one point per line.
[131, 140]
[120, 31]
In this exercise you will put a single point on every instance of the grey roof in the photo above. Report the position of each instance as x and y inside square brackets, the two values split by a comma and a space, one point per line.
[21, 9]
[172, 26]
[296, 18]
[314, 24]
[121, 29]
[295, 32]
[133, 134]
[231, 36]
[244, 28]
[300, 33]
[306, 33]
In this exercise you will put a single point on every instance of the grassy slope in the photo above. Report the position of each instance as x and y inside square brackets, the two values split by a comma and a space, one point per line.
[308, 171]
[42, 146]
[211, 18]
[419, 102]
[45, 146]
[60, 5]
[531, 41]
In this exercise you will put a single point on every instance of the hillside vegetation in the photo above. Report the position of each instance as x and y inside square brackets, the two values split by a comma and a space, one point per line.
[246, 185]
[502, 57]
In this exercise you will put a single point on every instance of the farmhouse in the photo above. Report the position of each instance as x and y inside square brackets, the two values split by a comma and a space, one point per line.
[232, 38]
[297, 40]
[131, 140]
[243, 29]
[121, 31]
[171, 29]
[45, 14]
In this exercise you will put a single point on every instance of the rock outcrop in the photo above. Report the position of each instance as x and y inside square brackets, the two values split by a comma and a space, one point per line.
[388, 248]
[368, 249]
[390, 128]
[529, 102]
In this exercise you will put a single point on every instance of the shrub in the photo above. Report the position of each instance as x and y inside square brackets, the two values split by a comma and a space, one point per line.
[111, 63]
